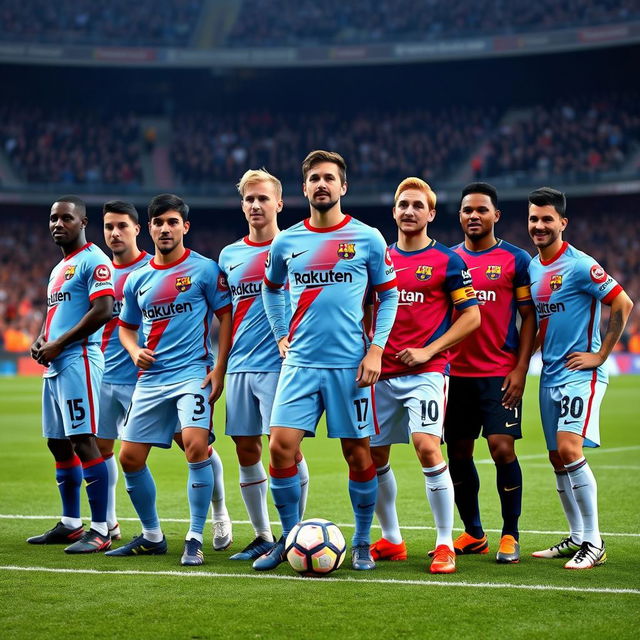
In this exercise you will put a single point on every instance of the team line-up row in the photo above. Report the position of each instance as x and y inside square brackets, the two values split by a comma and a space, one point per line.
[414, 342]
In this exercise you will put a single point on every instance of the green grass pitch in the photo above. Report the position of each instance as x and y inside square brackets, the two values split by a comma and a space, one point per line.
[44, 593]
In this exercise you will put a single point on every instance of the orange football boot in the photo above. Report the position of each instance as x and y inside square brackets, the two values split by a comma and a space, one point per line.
[385, 550]
[465, 544]
[444, 560]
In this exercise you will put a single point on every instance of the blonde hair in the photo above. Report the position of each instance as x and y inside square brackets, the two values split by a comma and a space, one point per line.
[419, 185]
[259, 175]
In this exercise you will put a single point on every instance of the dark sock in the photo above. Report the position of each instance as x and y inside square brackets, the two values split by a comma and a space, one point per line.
[509, 482]
[466, 485]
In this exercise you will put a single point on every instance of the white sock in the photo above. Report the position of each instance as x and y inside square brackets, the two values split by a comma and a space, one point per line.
[112, 470]
[386, 505]
[303, 473]
[253, 487]
[100, 527]
[218, 505]
[570, 506]
[192, 534]
[152, 535]
[72, 523]
[440, 495]
[585, 492]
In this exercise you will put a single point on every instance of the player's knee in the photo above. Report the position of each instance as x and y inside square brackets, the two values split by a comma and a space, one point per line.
[61, 450]
[249, 452]
[86, 448]
[130, 461]
[281, 453]
[380, 456]
[429, 454]
[502, 452]
[105, 446]
[569, 452]
[460, 449]
[556, 460]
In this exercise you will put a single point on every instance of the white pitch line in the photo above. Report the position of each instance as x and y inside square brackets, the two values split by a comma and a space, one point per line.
[545, 456]
[347, 525]
[393, 581]
[594, 465]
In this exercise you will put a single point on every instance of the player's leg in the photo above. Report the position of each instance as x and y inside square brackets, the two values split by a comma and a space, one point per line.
[461, 428]
[222, 531]
[303, 474]
[106, 450]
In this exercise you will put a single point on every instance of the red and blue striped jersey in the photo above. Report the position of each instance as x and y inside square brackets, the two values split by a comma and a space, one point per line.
[500, 277]
[75, 281]
[175, 304]
[254, 348]
[431, 283]
[118, 366]
[567, 291]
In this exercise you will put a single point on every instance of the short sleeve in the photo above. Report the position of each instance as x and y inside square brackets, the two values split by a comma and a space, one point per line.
[382, 274]
[459, 284]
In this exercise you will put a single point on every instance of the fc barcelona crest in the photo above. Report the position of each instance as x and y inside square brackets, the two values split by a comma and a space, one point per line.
[494, 271]
[346, 250]
[69, 272]
[556, 282]
[424, 272]
[183, 283]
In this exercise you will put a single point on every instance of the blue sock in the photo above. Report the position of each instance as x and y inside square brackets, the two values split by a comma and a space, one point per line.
[142, 491]
[69, 481]
[285, 489]
[199, 492]
[363, 491]
[509, 481]
[466, 485]
[96, 477]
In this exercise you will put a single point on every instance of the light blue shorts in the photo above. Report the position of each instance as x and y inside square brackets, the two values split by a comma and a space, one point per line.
[410, 404]
[303, 393]
[249, 400]
[71, 400]
[115, 400]
[572, 407]
[155, 411]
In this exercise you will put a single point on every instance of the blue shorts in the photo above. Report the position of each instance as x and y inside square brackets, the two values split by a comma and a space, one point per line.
[410, 404]
[71, 400]
[155, 411]
[303, 393]
[115, 400]
[572, 407]
[249, 400]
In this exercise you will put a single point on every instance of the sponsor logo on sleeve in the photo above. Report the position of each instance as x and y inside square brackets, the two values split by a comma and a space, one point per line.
[598, 274]
[387, 258]
[101, 273]
[223, 285]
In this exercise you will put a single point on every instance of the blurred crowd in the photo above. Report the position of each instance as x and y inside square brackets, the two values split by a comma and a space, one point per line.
[117, 22]
[306, 22]
[71, 147]
[614, 240]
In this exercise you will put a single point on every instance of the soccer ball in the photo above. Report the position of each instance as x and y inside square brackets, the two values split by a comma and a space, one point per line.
[315, 547]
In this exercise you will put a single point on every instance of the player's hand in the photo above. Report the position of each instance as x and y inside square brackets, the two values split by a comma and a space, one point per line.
[413, 357]
[36, 346]
[284, 346]
[369, 369]
[513, 387]
[578, 360]
[214, 378]
[143, 358]
[47, 352]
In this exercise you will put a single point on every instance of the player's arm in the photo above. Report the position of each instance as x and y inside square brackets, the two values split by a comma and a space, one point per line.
[141, 356]
[39, 341]
[466, 323]
[216, 376]
[621, 307]
[514, 382]
[98, 315]
[273, 298]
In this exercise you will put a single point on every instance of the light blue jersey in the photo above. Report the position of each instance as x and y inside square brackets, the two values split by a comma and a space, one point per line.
[329, 271]
[175, 304]
[567, 291]
[254, 348]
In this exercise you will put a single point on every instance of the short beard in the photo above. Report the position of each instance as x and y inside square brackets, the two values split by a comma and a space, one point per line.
[477, 235]
[323, 207]
[166, 250]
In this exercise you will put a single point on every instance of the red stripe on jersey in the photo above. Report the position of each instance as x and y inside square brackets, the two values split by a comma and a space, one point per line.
[592, 315]
[310, 227]
[77, 251]
[255, 268]
[126, 325]
[374, 410]
[222, 310]
[385, 286]
[562, 249]
[141, 255]
[87, 373]
[109, 328]
[609, 298]
[272, 285]
[306, 299]
[157, 329]
[241, 311]
[51, 311]
[251, 243]
[542, 332]
[182, 258]
[100, 294]
[592, 393]
[206, 335]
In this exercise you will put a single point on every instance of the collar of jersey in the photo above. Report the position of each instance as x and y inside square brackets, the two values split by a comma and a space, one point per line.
[416, 252]
[182, 258]
[251, 243]
[310, 227]
[77, 251]
[479, 253]
[563, 248]
[129, 264]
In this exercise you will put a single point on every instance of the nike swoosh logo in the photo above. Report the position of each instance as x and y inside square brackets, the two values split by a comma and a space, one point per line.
[428, 424]
[199, 485]
[92, 482]
[235, 266]
[511, 488]
[362, 427]
[401, 269]
[143, 291]
[579, 486]
[60, 483]
[472, 268]
[75, 426]
[572, 421]
[510, 424]
[366, 506]
[437, 488]
[196, 419]
[295, 255]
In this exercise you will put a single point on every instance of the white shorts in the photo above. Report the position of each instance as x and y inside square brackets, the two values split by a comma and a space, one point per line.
[410, 404]
[249, 400]
[114, 404]
[155, 411]
[572, 407]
